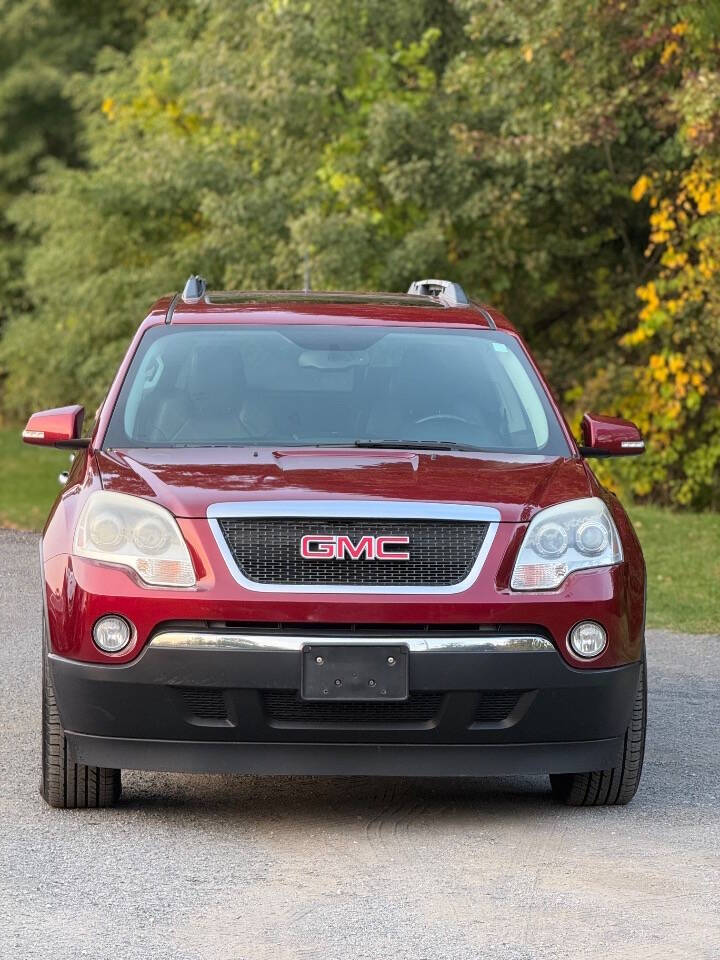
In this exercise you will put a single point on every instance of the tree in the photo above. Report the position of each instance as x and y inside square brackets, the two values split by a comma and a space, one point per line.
[557, 157]
[675, 343]
[43, 44]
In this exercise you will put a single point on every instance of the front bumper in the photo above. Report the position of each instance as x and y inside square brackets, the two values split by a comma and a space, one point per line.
[78, 592]
[477, 706]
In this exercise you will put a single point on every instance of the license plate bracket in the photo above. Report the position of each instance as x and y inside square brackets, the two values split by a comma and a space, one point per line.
[367, 672]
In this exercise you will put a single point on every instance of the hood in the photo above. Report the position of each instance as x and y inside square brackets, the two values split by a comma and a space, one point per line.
[187, 480]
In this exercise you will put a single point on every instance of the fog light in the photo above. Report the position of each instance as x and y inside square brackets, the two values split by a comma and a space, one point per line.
[112, 634]
[587, 639]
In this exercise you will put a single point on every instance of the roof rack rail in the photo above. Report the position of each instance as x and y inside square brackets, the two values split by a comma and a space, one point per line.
[447, 292]
[486, 314]
[194, 289]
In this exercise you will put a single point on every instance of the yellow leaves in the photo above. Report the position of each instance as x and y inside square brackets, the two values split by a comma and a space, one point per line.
[672, 386]
[676, 362]
[674, 259]
[108, 108]
[649, 294]
[640, 188]
[669, 386]
[662, 223]
[682, 288]
[699, 376]
[681, 382]
[527, 54]
[708, 260]
[676, 332]
[704, 202]
[672, 47]
[707, 268]
[658, 368]
[669, 51]
[635, 337]
[703, 188]
[643, 486]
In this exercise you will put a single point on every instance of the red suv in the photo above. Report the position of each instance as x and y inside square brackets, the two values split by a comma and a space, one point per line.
[323, 533]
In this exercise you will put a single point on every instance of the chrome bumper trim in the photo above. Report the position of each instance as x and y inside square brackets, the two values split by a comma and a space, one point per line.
[295, 642]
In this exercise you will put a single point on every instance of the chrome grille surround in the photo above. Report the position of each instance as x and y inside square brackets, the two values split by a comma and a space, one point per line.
[442, 552]
[368, 511]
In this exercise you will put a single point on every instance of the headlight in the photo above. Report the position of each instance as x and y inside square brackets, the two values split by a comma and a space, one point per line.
[135, 533]
[576, 535]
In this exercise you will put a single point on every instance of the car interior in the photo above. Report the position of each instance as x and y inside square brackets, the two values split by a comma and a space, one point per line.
[318, 386]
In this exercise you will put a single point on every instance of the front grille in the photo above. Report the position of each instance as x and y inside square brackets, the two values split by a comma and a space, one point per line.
[495, 706]
[267, 550]
[205, 703]
[286, 706]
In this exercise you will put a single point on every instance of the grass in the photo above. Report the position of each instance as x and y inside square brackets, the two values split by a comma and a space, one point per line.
[682, 554]
[682, 550]
[28, 480]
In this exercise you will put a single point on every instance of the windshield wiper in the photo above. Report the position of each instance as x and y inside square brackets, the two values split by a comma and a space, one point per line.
[413, 445]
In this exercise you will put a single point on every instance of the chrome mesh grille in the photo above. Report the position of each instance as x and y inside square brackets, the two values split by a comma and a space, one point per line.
[267, 550]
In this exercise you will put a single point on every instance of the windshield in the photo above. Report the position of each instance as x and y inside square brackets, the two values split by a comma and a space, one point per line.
[322, 384]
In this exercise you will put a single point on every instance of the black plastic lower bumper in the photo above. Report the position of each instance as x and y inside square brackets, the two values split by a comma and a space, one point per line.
[469, 713]
[347, 759]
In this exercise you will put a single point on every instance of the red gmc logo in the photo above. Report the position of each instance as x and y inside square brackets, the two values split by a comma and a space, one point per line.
[326, 547]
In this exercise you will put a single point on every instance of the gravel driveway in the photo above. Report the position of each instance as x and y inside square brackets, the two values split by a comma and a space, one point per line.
[248, 868]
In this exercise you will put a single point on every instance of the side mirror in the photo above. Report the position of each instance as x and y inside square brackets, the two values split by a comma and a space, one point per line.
[610, 437]
[60, 427]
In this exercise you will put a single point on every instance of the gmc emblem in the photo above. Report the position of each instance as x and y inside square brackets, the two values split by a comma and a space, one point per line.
[318, 546]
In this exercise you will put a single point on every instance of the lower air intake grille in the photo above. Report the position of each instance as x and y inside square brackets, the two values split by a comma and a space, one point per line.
[495, 706]
[205, 703]
[267, 550]
[286, 706]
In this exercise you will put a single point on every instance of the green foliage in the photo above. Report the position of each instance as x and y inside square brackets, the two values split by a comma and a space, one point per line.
[497, 143]
[43, 44]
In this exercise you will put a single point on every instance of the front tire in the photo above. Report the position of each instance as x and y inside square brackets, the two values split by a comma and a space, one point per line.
[617, 785]
[64, 783]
